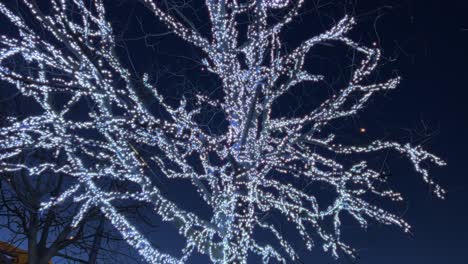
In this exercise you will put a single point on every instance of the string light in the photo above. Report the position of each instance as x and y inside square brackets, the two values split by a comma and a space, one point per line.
[80, 62]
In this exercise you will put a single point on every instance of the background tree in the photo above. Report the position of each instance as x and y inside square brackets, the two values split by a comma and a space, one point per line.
[49, 234]
[243, 173]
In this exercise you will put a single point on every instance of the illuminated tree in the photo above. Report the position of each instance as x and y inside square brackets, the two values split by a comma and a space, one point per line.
[234, 175]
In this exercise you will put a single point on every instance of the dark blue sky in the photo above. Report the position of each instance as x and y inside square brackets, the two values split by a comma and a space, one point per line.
[430, 41]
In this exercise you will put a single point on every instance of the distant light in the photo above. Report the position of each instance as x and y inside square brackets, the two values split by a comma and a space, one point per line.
[362, 130]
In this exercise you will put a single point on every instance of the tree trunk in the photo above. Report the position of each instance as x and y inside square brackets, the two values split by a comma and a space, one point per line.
[241, 227]
[93, 254]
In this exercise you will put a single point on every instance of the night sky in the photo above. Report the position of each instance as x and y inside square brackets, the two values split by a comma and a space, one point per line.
[424, 42]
